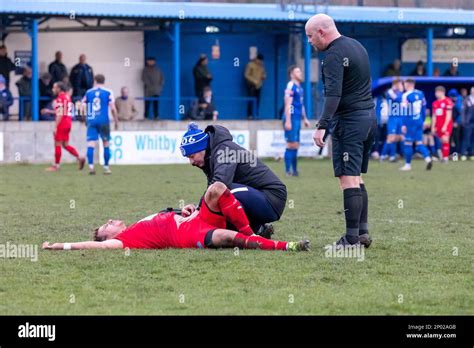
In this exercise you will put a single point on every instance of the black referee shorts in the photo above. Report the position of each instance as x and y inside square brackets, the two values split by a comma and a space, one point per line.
[352, 140]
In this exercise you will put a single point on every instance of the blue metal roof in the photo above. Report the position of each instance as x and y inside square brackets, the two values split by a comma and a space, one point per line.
[229, 11]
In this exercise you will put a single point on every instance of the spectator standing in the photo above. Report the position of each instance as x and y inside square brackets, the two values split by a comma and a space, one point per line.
[125, 105]
[467, 148]
[81, 78]
[419, 69]
[45, 90]
[57, 69]
[202, 75]
[6, 99]
[153, 81]
[255, 74]
[6, 65]
[394, 69]
[24, 91]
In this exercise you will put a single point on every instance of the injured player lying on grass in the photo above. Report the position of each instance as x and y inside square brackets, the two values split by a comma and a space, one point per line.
[193, 228]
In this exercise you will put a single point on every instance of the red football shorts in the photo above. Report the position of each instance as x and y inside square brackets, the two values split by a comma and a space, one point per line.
[63, 129]
[449, 131]
[191, 234]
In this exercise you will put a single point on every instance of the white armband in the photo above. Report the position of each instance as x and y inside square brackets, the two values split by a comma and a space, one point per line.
[67, 246]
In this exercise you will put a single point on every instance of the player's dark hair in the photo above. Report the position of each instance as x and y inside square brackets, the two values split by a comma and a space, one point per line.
[95, 236]
[291, 68]
[99, 78]
[412, 81]
[440, 88]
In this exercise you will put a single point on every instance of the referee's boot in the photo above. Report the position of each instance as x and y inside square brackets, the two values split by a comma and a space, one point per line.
[344, 243]
[365, 240]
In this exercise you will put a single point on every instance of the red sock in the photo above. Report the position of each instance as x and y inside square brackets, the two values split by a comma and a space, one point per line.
[256, 242]
[72, 150]
[445, 149]
[57, 154]
[234, 213]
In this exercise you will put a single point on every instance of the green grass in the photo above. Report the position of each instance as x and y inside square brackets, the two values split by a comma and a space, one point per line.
[412, 253]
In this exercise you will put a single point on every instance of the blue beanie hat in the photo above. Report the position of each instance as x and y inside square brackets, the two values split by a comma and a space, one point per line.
[194, 140]
[453, 92]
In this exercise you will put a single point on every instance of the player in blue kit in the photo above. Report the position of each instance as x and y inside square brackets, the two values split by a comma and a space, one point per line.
[394, 123]
[294, 114]
[97, 101]
[414, 114]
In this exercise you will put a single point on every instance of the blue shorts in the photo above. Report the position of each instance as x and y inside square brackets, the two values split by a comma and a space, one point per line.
[293, 135]
[394, 125]
[414, 131]
[94, 130]
[256, 205]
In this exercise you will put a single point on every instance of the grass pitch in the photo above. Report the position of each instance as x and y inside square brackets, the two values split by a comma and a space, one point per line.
[421, 261]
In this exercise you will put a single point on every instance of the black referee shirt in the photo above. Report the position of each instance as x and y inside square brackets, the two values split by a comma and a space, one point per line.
[346, 74]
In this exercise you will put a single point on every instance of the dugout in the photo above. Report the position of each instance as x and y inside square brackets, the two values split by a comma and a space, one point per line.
[176, 33]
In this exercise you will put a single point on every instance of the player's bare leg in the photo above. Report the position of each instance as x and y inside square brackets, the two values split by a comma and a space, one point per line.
[222, 238]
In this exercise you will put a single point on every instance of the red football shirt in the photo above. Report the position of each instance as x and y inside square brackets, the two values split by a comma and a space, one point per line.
[153, 232]
[63, 103]
[440, 107]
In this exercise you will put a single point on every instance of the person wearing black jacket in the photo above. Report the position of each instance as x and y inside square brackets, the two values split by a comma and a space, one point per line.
[46, 91]
[202, 76]
[349, 111]
[6, 65]
[57, 69]
[82, 78]
[260, 192]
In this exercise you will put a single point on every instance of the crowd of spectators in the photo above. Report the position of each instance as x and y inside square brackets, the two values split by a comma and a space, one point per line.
[81, 78]
[395, 69]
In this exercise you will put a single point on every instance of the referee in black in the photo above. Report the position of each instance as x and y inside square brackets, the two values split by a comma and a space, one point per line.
[349, 114]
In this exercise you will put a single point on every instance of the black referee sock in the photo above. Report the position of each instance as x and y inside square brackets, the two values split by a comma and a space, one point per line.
[363, 225]
[352, 211]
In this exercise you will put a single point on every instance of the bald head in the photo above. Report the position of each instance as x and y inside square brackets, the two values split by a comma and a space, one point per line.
[321, 31]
